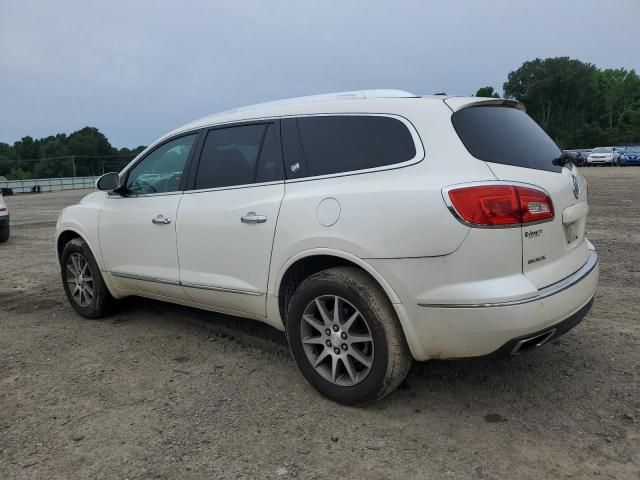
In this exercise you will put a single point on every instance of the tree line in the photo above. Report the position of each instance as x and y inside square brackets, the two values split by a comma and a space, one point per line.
[81, 153]
[578, 104]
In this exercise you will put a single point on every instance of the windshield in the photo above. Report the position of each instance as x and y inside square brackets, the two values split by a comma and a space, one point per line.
[633, 150]
[506, 135]
[602, 150]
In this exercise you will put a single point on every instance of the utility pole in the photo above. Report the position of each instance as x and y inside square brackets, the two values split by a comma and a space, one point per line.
[73, 164]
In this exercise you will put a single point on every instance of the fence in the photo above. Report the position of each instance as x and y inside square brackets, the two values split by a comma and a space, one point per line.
[49, 184]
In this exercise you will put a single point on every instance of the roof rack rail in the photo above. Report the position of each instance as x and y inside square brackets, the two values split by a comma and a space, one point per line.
[326, 97]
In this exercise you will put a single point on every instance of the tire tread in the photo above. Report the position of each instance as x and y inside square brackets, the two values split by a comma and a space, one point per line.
[103, 301]
[399, 355]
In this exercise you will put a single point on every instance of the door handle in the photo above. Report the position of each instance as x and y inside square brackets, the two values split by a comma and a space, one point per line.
[253, 217]
[161, 220]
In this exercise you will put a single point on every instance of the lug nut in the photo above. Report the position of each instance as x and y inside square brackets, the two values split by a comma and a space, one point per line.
[327, 331]
[336, 350]
[344, 346]
[335, 328]
[328, 343]
[344, 335]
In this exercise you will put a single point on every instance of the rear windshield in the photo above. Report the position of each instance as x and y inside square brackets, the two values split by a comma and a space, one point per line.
[506, 135]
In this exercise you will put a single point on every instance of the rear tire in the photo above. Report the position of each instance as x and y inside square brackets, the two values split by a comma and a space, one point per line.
[83, 283]
[364, 355]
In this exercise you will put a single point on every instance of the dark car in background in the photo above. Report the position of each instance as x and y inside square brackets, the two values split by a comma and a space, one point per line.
[631, 156]
[576, 157]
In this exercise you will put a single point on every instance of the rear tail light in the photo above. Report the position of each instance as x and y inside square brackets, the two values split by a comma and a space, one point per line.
[499, 205]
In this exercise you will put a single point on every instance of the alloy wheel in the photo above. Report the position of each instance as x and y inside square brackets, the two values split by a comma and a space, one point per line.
[337, 340]
[79, 279]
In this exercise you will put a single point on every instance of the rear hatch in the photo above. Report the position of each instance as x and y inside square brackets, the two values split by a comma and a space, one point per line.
[518, 150]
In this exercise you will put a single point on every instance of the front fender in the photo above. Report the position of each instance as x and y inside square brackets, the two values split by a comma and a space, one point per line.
[83, 220]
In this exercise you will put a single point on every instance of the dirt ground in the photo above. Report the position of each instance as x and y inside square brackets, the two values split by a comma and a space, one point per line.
[161, 391]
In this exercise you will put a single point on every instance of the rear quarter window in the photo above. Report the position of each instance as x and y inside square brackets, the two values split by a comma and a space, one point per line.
[344, 143]
[506, 135]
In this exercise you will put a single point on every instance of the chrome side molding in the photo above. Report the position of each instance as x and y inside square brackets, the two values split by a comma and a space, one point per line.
[220, 289]
[144, 278]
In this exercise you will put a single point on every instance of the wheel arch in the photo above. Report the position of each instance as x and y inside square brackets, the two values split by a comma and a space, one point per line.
[67, 234]
[304, 264]
[65, 237]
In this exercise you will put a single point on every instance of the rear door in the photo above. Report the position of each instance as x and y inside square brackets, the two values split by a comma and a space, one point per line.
[227, 220]
[517, 149]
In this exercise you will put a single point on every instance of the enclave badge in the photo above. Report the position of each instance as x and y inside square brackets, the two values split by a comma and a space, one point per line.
[576, 187]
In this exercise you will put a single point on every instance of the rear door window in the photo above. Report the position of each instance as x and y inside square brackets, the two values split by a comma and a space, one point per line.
[506, 135]
[328, 144]
[239, 155]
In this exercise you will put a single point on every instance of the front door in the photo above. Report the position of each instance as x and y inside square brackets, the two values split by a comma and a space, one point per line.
[137, 227]
[227, 222]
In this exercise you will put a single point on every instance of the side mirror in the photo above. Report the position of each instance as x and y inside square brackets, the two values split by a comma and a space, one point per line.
[109, 181]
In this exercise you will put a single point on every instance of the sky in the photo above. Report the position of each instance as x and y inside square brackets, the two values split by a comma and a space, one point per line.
[136, 69]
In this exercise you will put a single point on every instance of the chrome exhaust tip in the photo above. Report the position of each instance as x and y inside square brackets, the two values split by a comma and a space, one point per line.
[533, 342]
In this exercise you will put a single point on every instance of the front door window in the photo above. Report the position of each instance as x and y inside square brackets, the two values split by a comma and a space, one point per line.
[161, 170]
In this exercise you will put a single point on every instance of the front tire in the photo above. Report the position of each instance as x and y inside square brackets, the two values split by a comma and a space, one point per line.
[83, 283]
[345, 337]
[4, 234]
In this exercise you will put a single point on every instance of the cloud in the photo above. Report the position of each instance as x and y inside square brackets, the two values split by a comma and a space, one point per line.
[136, 69]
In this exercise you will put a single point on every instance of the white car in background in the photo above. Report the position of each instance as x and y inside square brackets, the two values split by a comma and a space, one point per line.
[374, 227]
[4, 220]
[602, 156]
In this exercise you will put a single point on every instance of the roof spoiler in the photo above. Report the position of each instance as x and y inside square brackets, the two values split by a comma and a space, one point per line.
[459, 103]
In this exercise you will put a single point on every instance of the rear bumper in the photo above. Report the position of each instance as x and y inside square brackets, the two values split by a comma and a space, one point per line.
[454, 331]
[533, 340]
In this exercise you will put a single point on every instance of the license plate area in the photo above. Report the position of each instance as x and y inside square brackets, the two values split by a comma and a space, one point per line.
[574, 231]
[574, 220]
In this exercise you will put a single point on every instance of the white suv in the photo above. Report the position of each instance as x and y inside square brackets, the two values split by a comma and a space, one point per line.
[4, 220]
[373, 227]
[602, 156]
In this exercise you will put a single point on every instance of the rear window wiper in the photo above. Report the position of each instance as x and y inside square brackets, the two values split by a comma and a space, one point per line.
[563, 159]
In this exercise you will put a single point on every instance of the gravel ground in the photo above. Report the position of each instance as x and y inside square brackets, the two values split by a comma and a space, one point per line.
[161, 391]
